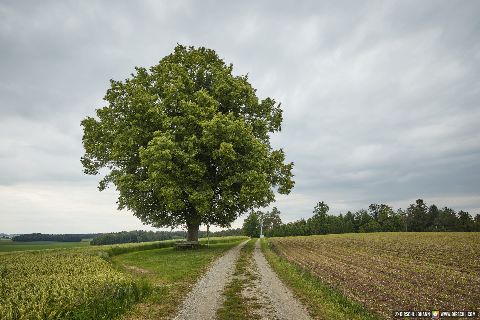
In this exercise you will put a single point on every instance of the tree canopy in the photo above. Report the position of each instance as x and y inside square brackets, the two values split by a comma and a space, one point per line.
[256, 220]
[251, 224]
[187, 143]
[271, 220]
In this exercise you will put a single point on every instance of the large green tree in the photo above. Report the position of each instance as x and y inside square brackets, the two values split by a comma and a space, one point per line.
[187, 143]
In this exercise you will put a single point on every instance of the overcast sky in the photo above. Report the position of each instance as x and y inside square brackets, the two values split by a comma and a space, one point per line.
[380, 98]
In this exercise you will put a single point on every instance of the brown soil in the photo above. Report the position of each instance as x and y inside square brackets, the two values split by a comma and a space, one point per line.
[394, 271]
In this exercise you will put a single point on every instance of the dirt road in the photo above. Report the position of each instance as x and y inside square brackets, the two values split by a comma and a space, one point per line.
[273, 299]
[206, 296]
[278, 301]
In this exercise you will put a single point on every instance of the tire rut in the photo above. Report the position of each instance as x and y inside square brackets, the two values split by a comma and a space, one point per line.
[284, 304]
[206, 296]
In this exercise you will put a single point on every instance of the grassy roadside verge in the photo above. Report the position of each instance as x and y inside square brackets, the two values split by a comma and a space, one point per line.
[236, 305]
[8, 247]
[322, 301]
[117, 249]
[170, 274]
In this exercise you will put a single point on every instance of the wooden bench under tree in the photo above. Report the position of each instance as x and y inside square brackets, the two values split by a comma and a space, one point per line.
[187, 245]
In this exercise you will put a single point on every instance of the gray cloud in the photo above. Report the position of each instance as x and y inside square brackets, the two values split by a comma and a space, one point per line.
[381, 99]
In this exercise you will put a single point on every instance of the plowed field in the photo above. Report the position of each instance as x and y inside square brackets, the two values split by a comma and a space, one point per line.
[394, 271]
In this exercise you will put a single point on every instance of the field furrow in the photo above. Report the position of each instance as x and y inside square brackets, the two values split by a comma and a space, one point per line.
[393, 271]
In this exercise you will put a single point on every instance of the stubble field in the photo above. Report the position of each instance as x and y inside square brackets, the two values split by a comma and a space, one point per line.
[393, 271]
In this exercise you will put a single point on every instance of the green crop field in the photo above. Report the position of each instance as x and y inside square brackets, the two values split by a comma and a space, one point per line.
[381, 271]
[63, 284]
[9, 245]
[98, 282]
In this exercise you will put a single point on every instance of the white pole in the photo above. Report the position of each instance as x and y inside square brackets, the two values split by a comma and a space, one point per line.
[208, 235]
[261, 225]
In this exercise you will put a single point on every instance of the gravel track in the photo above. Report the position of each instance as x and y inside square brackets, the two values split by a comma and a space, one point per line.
[206, 296]
[284, 304]
[275, 299]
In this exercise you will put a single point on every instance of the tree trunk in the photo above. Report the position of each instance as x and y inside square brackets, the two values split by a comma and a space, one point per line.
[192, 231]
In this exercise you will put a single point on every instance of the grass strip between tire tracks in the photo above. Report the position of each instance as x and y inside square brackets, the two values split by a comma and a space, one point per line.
[236, 305]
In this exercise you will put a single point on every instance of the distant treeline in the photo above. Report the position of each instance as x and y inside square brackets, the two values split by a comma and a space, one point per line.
[222, 233]
[54, 237]
[146, 236]
[379, 217]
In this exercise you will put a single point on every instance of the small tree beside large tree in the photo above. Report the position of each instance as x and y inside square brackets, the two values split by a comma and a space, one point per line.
[271, 220]
[187, 143]
[251, 224]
